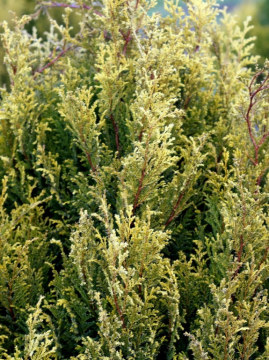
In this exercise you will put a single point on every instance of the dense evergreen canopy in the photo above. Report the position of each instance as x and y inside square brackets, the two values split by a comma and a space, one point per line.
[134, 186]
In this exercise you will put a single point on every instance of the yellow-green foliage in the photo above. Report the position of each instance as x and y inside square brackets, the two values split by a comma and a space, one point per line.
[8, 8]
[134, 186]
[13, 8]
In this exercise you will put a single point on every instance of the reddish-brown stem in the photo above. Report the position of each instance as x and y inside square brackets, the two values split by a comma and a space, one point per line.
[72, 6]
[247, 118]
[53, 61]
[26, 157]
[90, 162]
[175, 207]
[252, 94]
[140, 187]
[173, 212]
[265, 136]
[116, 131]
[136, 4]
[63, 5]
[259, 178]
[119, 309]
[252, 102]
[14, 69]
[140, 277]
[250, 158]
[88, 155]
[219, 156]
[186, 102]
[11, 312]
[127, 37]
[254, 78]
[140, 135]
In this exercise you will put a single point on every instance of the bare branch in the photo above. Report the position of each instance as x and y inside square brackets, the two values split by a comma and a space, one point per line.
[176, 206]
[72, 6]
[53, 61]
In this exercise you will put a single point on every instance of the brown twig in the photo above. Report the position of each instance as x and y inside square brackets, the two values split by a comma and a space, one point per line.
[72, 6]
[252, 102]
[127, 37]
[265, 136]
[53, 61]
[255, 77]
[136, 202]
[88, 155]
[175, 207]
[140, 277]
[136, 4]
[140, 186]
[14, 69]
[64, 5]
[90, 162]
[116, 131]
[118, 309]
[259, 178]
[186, 102]
[140, 134]
[247, 118]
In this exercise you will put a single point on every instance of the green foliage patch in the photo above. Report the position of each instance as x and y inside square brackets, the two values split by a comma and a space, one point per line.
[134, 186]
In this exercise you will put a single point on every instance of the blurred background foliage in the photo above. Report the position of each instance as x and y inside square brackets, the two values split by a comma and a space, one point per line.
[257, 9]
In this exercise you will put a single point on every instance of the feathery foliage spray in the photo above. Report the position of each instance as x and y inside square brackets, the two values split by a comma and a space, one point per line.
[134, 186]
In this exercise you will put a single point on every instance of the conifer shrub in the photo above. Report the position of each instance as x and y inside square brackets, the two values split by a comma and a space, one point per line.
[134, 186]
